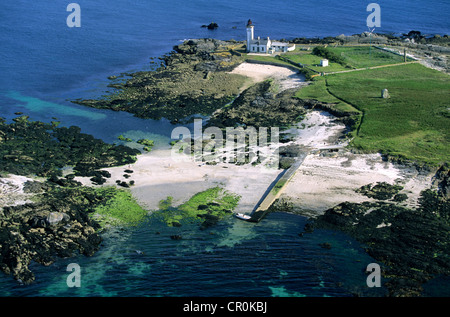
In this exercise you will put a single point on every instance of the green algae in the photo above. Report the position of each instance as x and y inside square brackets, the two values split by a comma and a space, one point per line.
[120, 209]
[206, 208]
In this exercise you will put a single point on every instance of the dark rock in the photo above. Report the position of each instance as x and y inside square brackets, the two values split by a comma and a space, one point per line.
[202, 207]
[98, 180]
[443, 180]
[380, 191]
[256, 107]
[211, 26]
[400, 198]
[325, 245]
[210, 220]
[44, 149]
[55, 218]
[33, 187]
[39, 232]
[176, 237]
[412, 243]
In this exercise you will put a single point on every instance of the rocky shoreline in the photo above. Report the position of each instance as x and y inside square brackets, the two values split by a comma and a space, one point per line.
[57, 226]
[411, 244]
[189, 81]
[43, 213]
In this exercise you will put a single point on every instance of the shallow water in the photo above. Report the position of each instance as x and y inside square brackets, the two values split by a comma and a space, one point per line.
[234, 258]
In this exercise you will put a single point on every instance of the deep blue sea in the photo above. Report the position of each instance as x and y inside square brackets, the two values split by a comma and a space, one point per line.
[44, 63]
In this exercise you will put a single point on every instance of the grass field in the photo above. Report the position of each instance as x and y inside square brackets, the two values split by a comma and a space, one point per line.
[317, 90]
[270, 59]
[313, 62]
[413, 124]
[120, 210]
[214, 201]
[355, 57]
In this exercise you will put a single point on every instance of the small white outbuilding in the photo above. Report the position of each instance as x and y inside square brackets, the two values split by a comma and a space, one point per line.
[324, 62]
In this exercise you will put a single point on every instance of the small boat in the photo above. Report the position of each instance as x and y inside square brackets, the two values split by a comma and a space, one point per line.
[242, 216]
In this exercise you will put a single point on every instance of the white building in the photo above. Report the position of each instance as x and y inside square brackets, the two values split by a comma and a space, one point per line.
[324, 62]
[265, 46]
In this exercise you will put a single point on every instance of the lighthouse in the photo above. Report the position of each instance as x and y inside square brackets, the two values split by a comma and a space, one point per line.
[264, 45]
[249, 34]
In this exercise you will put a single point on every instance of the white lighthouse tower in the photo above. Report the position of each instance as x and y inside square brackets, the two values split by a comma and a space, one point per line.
[249, 34]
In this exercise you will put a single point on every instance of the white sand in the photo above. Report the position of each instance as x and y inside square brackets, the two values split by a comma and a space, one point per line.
[158, 174]
[286, 77]
[318, 130]
[323, 182]
[11, 190]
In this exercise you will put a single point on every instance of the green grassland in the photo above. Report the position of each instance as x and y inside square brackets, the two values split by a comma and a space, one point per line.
[355, 57]
[317, 90]
[413, 124]
[267, 59]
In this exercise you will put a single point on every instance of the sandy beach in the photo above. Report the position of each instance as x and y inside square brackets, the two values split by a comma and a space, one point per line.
[324, 180]
[160, 173]
[286, 77]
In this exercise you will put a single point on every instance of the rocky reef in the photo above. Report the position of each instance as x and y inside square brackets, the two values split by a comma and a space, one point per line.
[191, 80]
[56, 226]
[261, 105]
[43, 149]
[60, 222]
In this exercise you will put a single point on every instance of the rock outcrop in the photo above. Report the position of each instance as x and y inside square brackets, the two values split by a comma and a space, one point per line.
[192, 79]
[32, 232]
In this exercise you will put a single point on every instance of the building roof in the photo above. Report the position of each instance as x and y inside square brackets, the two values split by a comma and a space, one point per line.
[260, 42]
[279, 44]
